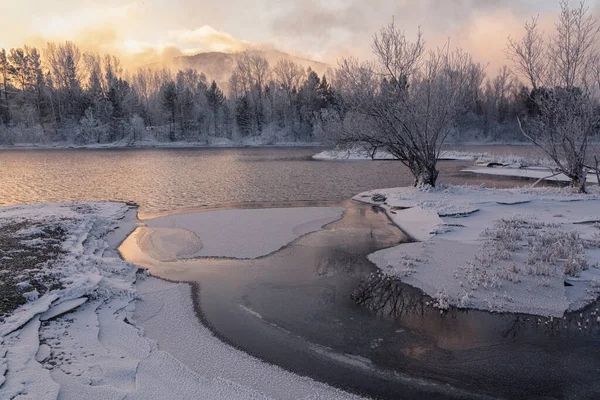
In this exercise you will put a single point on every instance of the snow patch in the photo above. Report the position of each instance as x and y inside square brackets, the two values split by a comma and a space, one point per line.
[547, 174]
[91, 343]
[62, 308]
[248, 233]
[360, 154]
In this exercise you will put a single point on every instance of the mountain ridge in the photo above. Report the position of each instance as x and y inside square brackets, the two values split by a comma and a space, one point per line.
[219, 66]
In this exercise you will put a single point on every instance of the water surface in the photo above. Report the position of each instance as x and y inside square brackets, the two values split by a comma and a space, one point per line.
[168, 179]
[318, 307]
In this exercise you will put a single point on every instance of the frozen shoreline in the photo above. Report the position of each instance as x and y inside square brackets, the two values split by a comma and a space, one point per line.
[223, 143]
[473, 247]
[361, 155]
[547, 174]
[86, 340]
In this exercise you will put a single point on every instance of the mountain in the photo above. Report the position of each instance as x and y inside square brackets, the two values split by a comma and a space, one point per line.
[219, 66]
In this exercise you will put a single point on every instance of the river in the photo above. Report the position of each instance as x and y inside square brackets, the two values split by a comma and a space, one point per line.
[168, 179]
[323, 310]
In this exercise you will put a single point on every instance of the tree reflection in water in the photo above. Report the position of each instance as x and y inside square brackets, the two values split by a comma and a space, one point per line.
[389, 296]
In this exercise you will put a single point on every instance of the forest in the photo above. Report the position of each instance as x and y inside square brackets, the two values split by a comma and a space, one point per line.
[63, 95]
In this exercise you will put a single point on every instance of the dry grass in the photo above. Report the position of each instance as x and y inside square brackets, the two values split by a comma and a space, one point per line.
[27, 251]
[548, 252]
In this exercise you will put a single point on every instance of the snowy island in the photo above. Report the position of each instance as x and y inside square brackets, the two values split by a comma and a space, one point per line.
[533, 251]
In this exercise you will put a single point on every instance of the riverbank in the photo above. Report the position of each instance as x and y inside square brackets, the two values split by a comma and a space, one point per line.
[152, 144]
[75, 335]
[513, 250]
[532, 164]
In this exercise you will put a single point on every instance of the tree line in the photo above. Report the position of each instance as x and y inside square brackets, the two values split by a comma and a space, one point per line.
[62, 94]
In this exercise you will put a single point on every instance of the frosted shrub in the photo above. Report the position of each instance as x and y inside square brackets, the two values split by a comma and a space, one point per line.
[549, 249]
[480, 274]
[551, 252]
[441, 300]
[510, 273]
[90, 129]
[31, 296]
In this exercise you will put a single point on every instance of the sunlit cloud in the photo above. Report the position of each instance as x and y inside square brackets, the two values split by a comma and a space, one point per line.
[70, 25]
[205, 38]
[143, 30]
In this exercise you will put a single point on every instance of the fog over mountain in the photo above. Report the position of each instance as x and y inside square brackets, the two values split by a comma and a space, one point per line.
[220, 65]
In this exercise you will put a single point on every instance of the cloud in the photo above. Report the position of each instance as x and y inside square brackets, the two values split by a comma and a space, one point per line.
[480, 26]
[176, 43]
[136, 32]
[205, 38]
[146, 31]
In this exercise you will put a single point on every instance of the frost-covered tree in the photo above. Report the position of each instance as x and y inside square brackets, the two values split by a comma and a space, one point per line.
[253, 73]
[406, 103]
[88, 97]
[243, 116]
[5, 73]
[215, 99]
[560, 68]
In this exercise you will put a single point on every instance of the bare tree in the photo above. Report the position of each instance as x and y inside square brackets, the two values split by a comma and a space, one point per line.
[5, 72]
[529, 55]
[253, 72]
[406, 103]
[288, 75]
[64, 62]
[565, 89]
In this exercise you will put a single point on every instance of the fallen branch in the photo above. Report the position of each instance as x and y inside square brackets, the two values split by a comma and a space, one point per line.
[545, 177]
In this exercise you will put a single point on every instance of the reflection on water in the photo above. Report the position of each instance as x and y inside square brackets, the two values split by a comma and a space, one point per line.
[386, 295]
[390, 297]
[318, 307]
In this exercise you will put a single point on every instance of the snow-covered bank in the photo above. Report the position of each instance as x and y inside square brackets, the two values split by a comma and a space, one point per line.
[528, 251]
[246, 233]
[517, 171]
[147, 143]
[166, 314]
[80, 339]
[35, 347]
[361, 155]
[479, 157]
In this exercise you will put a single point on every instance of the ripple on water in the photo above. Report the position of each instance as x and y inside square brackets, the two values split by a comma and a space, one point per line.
[164, 179]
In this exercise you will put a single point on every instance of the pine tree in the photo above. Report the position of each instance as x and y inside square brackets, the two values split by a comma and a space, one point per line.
[243, 116]
[169, 104]
[215, 99]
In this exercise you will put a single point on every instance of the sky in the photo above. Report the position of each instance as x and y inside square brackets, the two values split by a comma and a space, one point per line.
[320, 30]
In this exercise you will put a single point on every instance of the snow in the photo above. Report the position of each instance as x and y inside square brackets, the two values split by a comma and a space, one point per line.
[488, 248]
[357, 154]
[529, 172]
[150, 142]
[87, 339]
[25, 377]
[351, 155]
[62, 308]
[416, 222]
[166, 314]
[245, 233]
